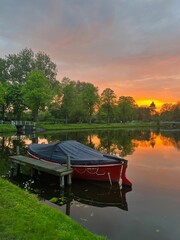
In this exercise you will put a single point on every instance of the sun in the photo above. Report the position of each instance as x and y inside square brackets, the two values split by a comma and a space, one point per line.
[147, 102]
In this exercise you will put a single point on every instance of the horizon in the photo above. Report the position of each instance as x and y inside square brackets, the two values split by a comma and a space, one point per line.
[130, 47]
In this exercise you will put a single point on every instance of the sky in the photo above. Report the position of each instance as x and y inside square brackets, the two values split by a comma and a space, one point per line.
[130, 46]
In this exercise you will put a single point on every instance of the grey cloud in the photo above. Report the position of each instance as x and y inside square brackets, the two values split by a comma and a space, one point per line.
[104, 40]
[110, 29]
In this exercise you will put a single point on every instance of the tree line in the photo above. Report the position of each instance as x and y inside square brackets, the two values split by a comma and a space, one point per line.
[29, 90]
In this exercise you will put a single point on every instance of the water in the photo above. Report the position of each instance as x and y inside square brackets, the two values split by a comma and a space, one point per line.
[150, 211]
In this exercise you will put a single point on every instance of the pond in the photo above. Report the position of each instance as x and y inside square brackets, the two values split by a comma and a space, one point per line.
[149, 211]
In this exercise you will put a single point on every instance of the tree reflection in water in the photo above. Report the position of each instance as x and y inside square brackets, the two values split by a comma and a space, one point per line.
[118, 142]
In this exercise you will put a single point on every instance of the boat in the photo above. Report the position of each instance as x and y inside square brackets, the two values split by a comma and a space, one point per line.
[87, 163]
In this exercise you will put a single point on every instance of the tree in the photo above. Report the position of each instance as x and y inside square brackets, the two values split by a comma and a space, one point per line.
[143, 114]
[43, 62]
[37, 92]
[108, 99]
[176, 112]
[14, 100]
[126, 109]
[3, 92]
[19, 66]
[55, 106]
[68, 100]
[166, 112]
[66, 81]
[90, 98]
[3, 70]
[152, 108]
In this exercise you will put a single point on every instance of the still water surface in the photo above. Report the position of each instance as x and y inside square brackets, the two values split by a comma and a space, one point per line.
[149, 211]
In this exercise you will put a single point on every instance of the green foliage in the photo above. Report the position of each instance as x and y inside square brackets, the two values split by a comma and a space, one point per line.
[166, 112]
[43, 62]
[19, 65]
[152, 109]
[67, 101]
[59, 200]
[3, 70]
[108, 97]
[16, 67]
[35, 92]
[7, 128]
[170, 112]
[45, 116]
[90, 98]
[14, 101]
[143, 114]
[126, 109]
[3, 93]
[176, 112]
[108, 100]
[3, 90]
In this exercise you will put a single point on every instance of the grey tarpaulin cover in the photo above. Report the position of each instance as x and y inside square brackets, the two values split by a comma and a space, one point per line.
[79, 153]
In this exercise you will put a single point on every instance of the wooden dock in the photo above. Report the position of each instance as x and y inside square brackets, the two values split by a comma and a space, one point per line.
[57, 170]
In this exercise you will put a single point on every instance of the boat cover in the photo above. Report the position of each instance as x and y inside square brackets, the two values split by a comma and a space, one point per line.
[79, 154]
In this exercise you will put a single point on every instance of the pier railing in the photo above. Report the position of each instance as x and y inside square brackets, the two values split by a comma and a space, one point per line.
[23, 123]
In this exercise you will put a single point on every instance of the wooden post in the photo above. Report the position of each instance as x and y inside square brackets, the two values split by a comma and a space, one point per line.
[69, 181]
[11, 170]
[68, 204]
[68, 208]
[68, 162]
[17, 150]
[61, 181]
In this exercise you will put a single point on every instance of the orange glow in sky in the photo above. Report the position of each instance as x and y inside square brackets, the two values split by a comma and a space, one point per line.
[147, 102]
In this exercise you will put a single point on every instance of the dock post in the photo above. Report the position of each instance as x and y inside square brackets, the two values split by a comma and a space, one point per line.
[17, 150]
[18, 165]
[68, 162]
[14, 169]
[11, 169]
[62, 181]
[69, 181]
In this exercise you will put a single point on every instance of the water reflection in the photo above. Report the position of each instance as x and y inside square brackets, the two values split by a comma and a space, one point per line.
[100, 194]
[118, 142]
[154, 168]
[92, 193]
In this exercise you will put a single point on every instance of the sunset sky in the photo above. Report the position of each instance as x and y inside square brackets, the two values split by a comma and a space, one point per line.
[130, 46]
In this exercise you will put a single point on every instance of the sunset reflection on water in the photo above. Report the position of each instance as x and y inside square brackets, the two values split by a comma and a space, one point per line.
[155, 161]
[153, 168]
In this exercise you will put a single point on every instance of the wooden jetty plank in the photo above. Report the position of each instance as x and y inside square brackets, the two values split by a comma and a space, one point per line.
[57, 170]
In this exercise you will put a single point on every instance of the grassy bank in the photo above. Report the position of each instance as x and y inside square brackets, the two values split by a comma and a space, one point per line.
[7, 128]
[56, 126]
[23, 217]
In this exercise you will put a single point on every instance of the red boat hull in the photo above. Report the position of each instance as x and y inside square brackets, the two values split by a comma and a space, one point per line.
[109, 172]
[104, 172]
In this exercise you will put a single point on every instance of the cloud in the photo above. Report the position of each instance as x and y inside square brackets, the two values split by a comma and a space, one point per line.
[131, 46]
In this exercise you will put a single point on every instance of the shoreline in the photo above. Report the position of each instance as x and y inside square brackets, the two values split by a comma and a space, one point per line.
[45, 126]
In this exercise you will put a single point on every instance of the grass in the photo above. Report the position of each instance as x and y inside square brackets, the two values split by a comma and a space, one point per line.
[23, 217]
[58, 126]
[7, 128]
